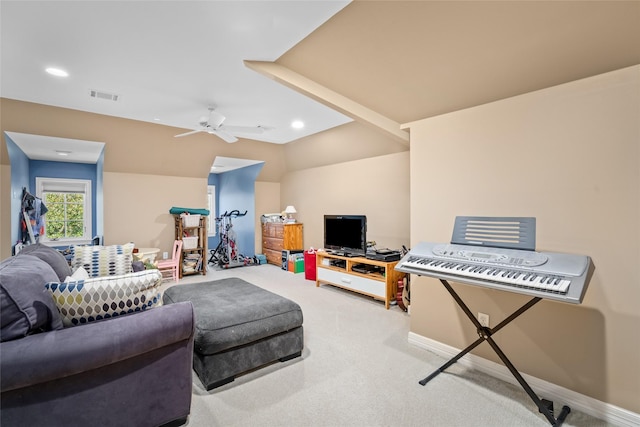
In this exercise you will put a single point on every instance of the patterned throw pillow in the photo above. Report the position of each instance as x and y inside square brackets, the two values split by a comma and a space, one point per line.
[92, 299]
[103, 260]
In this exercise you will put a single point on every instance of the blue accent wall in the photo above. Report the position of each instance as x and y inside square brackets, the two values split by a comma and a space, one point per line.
[46, 169]
[99, 197]
[23, 175]
[213, 241]
[235, 190]
[19, 180]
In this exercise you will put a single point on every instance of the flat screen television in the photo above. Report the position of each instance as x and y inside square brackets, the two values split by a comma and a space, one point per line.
[346, 234]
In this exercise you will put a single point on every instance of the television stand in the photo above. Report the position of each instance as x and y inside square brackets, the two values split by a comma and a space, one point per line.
[380, 283]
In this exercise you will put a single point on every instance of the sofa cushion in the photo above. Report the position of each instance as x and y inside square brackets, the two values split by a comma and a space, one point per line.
[51, 256]
[103, 260]
[97, 298]
[25, 305]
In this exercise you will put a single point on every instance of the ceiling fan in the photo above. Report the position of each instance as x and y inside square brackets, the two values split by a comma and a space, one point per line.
[214, 124]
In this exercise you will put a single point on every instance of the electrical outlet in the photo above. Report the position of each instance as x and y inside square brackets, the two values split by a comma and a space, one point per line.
[483, 319]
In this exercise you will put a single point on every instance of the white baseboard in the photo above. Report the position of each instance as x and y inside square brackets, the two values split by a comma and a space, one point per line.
[550, 391]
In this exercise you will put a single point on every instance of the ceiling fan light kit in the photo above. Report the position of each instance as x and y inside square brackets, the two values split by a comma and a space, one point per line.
[214, 125]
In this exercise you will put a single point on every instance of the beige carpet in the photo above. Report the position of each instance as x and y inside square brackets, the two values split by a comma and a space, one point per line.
[358, 369]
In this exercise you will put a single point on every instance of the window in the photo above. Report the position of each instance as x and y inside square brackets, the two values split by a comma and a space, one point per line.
[68, 203]
[211, 199]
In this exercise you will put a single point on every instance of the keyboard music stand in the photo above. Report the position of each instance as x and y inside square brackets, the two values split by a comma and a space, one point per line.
[505, 232]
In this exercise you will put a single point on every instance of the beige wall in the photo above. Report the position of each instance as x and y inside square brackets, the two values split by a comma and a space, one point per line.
[349, 142]
[137, 207]
[267, 201]
[377, 187]
[569, 156]
[137, 147]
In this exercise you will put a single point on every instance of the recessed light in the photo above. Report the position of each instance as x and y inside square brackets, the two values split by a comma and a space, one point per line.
[57, 72]
[63, 152]
[297, 124]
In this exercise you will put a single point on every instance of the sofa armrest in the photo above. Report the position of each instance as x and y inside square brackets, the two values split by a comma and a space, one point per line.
[46, 356]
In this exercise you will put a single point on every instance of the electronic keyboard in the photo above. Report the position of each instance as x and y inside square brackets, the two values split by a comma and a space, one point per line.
[499, 253]
[550, 275]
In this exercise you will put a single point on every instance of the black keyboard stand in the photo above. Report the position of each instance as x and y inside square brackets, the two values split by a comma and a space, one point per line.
[544, 406]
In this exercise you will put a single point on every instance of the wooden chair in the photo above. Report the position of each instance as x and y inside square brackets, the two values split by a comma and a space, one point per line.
[172, 265]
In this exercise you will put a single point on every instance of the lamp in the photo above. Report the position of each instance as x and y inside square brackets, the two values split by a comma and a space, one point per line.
[290, 210]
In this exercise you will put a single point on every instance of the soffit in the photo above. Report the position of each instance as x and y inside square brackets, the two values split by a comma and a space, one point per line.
[49, 148]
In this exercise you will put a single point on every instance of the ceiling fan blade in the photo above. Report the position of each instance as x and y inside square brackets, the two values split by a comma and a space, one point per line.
[215, 119]
[187, 133]
[224, 135]
[243, 129]
[214, 125]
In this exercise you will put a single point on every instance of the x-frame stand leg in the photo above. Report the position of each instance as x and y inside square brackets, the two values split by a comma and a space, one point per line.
[544, 406]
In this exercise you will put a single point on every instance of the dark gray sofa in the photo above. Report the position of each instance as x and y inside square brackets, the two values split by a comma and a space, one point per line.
[128, 370]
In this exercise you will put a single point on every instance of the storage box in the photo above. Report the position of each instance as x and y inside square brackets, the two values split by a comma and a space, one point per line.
[295, 264]
[286, 255]
[190, 242]
[192, 220]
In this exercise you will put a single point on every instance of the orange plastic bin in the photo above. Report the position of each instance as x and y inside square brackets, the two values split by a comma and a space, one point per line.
[310, 264]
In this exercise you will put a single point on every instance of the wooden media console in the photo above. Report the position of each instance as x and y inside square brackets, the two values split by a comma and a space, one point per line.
[380, 279]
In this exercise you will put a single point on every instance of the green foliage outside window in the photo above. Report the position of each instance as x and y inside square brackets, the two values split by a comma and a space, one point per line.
[65, 215]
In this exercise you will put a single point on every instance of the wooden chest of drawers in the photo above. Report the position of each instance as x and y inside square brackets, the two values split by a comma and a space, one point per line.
[277, 236]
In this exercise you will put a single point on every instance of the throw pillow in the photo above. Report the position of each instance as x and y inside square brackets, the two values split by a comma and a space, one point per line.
[88, 300]
[51, 256]
[103, 260]
[25, 306]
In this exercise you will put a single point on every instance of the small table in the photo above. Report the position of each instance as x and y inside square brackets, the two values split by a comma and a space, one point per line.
[147, 254]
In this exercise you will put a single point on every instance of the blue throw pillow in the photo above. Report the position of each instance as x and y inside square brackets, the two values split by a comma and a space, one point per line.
[26, 307]
[51, 256]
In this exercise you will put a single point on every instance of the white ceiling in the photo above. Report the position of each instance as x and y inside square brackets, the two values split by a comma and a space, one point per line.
[166, 60]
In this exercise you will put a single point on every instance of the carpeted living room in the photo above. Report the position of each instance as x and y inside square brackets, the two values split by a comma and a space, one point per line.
[357, 369]
[414, 115]
[353, 367]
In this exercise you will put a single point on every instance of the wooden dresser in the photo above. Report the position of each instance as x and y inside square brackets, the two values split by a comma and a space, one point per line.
[277, 236]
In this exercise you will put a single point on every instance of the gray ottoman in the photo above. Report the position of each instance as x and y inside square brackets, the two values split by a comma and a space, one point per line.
[239, 327]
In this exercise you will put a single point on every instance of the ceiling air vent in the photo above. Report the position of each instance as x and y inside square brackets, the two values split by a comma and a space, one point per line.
[103, 95]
